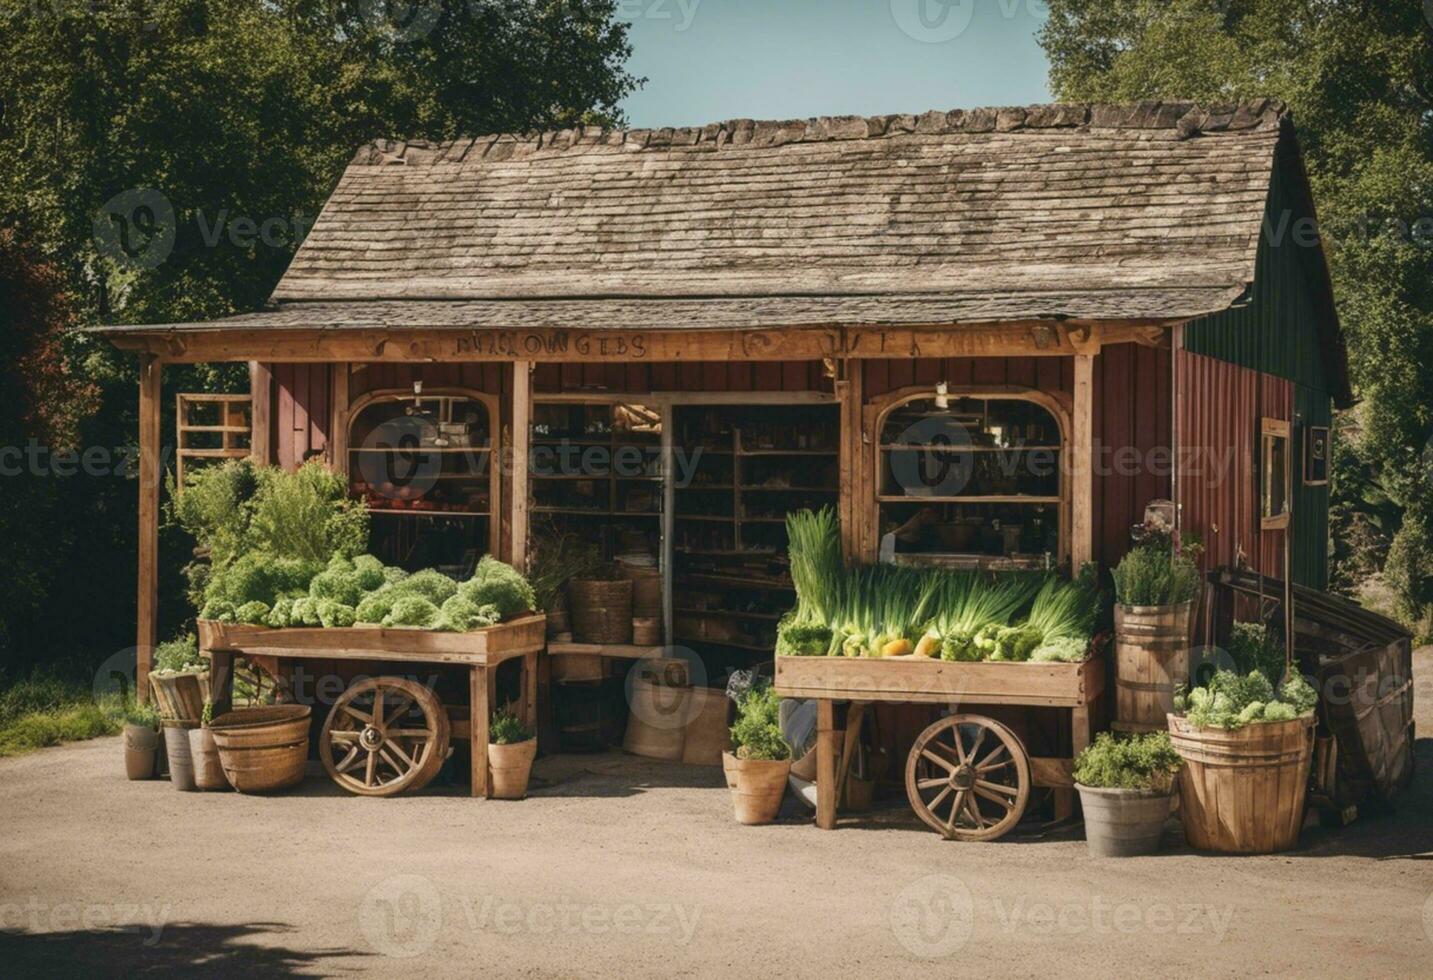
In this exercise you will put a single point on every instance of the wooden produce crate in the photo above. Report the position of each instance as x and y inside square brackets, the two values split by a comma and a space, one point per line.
[927, 681]
[376, 643]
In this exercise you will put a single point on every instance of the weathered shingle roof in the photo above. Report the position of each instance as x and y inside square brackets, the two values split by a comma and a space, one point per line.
[1149, 211]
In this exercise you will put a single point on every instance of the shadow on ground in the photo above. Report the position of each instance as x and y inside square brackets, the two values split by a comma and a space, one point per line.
[182, 949]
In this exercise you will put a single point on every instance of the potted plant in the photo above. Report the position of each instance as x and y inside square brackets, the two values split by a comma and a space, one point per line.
[1155, 586]
[511, 748]
[1126, 786]
[1247, 747]
[204, 753]
[756, 772]
[141, 740]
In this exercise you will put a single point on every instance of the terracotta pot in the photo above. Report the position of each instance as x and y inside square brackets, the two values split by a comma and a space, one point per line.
[204, 754]
[1123, 822]
[757, 786]
[181, 763]
[509, 767]
[141, 751]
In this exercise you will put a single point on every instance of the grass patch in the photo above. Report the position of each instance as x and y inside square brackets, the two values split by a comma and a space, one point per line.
[47, 708]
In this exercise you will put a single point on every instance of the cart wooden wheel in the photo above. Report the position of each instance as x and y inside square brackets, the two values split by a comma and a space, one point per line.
[384, 736]
[968, 778]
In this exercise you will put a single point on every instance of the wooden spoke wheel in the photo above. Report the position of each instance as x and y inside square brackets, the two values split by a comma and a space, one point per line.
[968, 778]
[385, 736]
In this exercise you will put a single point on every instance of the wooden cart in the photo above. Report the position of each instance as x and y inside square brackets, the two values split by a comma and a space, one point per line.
[968, 776]
[389, 735]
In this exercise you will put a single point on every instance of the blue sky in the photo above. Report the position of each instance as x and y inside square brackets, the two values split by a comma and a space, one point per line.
[708, 60]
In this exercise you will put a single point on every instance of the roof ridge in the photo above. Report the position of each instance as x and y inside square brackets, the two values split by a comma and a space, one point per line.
[1186, 118]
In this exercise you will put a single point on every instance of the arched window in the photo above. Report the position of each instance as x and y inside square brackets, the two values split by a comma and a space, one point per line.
[425, 465]
[972, 477]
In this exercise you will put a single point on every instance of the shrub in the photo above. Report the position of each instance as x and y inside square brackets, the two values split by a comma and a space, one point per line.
[216, 507]
[757, 732]
[178, 654]
[307, 514]
[141, 713]
[1153, 576]
[506, 728]
[1142, 762]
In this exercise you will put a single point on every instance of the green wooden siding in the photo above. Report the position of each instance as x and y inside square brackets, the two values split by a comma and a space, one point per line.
[1277, 332]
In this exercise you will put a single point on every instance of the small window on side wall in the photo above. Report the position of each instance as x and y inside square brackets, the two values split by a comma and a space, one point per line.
[1317, 452]
[1274, 462]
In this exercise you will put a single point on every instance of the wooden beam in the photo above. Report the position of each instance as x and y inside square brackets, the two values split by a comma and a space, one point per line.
[151, 374]
[549, 345]
[338, 419]
[1082, 517]
[826, 736]
[851, 501]
[261, 386]
[521, 443]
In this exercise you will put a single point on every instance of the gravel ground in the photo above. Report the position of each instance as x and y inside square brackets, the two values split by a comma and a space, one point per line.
[623, 867]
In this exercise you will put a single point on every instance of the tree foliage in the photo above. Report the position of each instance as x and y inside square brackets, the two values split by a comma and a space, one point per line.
[1358, 76]
[241, 116]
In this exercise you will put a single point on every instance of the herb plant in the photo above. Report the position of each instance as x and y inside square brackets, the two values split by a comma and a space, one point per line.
[1140, 762]
[757, 732]
[505, 728]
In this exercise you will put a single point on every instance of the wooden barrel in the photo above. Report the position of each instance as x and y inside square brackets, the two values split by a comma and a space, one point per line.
[601, 610]
[1151, 660]
[263, 749]
[1243, 791]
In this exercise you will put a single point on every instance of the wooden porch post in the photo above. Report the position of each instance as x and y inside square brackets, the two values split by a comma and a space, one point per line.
[151, 373]
[852, 501]
[521, 439]
[338, 414]
[261, 383]
[1082, 523]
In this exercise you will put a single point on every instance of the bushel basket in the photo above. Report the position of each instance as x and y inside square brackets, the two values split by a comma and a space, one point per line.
[1243, 791]
[263, 749]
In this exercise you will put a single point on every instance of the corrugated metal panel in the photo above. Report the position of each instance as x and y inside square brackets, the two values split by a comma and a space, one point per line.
[1222, 404]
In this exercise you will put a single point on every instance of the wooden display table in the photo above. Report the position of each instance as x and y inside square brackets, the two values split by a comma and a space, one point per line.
[967, 776]
[413, 753]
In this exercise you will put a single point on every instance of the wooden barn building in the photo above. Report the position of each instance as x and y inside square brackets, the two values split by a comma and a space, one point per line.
[667, 339]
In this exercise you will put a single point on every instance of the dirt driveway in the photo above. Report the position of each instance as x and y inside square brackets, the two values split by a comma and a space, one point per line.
[625, 868]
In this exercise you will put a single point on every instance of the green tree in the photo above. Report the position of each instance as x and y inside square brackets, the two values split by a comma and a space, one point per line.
[234, 118]
[1357, 75]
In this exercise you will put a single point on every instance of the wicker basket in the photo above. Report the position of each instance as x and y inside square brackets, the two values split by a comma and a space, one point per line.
[601, 610]
[263, 749]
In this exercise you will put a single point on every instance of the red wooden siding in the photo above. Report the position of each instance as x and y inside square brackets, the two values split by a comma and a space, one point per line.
[301, 411]
[1132, 462]
[1220, 408]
